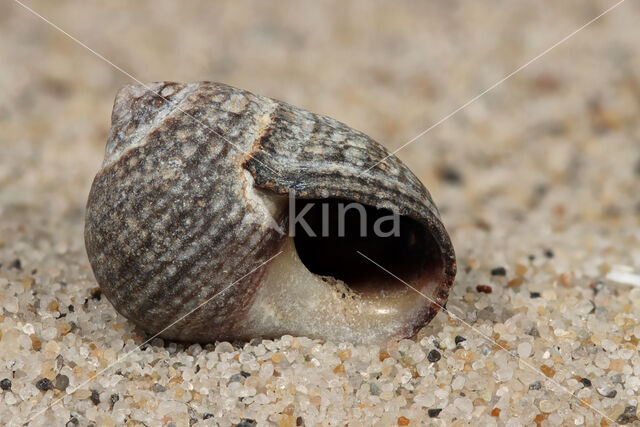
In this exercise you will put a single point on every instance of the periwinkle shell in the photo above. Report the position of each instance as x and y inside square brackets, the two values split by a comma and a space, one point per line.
[193, 196]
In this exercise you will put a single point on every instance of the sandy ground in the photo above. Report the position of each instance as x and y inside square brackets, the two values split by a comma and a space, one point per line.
[539, 177]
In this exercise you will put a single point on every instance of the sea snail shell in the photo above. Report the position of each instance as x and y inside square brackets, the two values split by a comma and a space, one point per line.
[194, 192]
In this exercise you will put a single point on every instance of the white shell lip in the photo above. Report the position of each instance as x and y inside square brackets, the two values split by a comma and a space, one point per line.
[295, 300]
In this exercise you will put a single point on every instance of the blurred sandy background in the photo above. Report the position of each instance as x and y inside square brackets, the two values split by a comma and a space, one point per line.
[548, 160]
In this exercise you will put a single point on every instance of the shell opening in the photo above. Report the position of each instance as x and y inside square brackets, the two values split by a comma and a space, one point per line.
[320, 286]
[340, 229]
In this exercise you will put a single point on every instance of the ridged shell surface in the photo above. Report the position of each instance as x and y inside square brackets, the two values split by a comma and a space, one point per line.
[191, 197]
